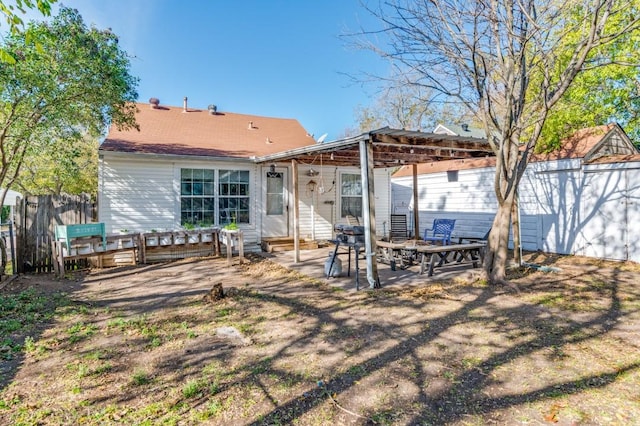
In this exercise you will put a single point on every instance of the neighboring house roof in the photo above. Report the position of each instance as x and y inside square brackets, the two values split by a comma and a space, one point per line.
[609, 159]
[459, 130]
[171, 131]
[592, 144]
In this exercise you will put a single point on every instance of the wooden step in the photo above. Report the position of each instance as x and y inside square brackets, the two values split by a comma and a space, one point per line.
[275, 244]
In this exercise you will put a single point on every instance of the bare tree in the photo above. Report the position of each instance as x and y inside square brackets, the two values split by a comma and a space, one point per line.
[511, 61]
[405, 106]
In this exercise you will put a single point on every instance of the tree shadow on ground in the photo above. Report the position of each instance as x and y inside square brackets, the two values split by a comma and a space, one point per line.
[407, 356]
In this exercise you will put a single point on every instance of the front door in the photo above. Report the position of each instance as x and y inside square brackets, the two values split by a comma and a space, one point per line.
[275, 221]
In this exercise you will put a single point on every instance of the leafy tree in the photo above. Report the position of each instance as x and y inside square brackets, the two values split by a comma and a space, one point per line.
[597, 96]
[67, 85]
[63, 169]
[12, 12]
[512, 62]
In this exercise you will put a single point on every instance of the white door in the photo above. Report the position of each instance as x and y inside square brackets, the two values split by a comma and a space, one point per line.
[275, 220]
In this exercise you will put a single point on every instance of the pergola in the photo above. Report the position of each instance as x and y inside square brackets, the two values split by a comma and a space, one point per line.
[380, 148]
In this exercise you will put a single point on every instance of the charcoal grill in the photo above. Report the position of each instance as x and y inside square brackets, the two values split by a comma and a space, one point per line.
[349, 234]
[352, 237]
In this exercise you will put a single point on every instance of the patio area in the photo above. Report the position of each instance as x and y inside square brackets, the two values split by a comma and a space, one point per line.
[312, 264]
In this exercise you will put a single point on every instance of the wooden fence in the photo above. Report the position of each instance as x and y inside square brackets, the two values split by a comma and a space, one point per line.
[36, 217]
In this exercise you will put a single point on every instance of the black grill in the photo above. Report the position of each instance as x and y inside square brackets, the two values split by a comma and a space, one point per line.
[350, 234]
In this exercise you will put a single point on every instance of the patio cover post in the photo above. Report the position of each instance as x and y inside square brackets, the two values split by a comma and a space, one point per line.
[296, 212]
[369, 212]
[416, 210]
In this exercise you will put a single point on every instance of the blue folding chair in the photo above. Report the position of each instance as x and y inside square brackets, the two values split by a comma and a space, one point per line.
[440, 232]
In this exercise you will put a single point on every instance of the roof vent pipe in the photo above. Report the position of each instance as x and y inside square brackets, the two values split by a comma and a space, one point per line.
[212, 109]
[465, 127]
[154, 102]
[185, 105]
[250, 125]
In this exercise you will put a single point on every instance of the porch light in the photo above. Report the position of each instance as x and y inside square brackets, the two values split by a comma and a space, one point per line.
[311, 185]
[272, 168]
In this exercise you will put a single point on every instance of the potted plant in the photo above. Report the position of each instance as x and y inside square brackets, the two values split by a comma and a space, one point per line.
[206, 233]
[191, 236]
[227, 231]
[112, 244]
[85, 249]
[165, 240]
[206, 236]
[151, 240]
[178, 238]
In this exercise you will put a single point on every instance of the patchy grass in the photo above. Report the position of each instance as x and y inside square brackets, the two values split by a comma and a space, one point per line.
[144, 348]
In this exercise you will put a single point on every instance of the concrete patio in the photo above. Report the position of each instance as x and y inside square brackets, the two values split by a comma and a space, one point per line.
[312, 264]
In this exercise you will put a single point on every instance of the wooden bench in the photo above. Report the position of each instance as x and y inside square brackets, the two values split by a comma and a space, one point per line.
[458, 253]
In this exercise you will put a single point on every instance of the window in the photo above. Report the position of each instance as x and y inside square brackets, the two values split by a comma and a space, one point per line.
[351, 195]
[197, 202]
[275, 194]
[233, 196]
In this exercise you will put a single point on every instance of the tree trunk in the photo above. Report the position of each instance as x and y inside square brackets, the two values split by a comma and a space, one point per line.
[495, 260]
[515, 229]
[3, 257]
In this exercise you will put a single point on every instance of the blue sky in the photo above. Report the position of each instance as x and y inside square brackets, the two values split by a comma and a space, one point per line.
[274, 58]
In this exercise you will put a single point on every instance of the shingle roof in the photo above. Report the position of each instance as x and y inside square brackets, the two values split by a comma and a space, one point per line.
[578, 145]
[169, 130]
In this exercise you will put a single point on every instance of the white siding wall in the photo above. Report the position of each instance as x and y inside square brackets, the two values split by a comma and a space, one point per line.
[469, 199]
[551, 194]
[143, 194]
[326, 205]
[611, 211]
[565, 207]
[138, 196]
[382, 197]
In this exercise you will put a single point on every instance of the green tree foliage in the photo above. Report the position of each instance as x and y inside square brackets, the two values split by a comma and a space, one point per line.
[512, 62]
[606, 90]
[12, 11]
[69, 170]
[67, 85]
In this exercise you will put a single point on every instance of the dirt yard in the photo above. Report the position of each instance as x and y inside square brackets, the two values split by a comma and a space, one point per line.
[144, 346]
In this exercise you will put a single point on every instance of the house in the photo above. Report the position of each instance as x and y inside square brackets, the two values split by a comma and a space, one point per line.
[195, 166]
[268, 175]
[200, 167]
[581, 199]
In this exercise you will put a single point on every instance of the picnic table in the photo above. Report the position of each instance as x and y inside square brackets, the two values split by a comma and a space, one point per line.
[392, 254]
[437, 256]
